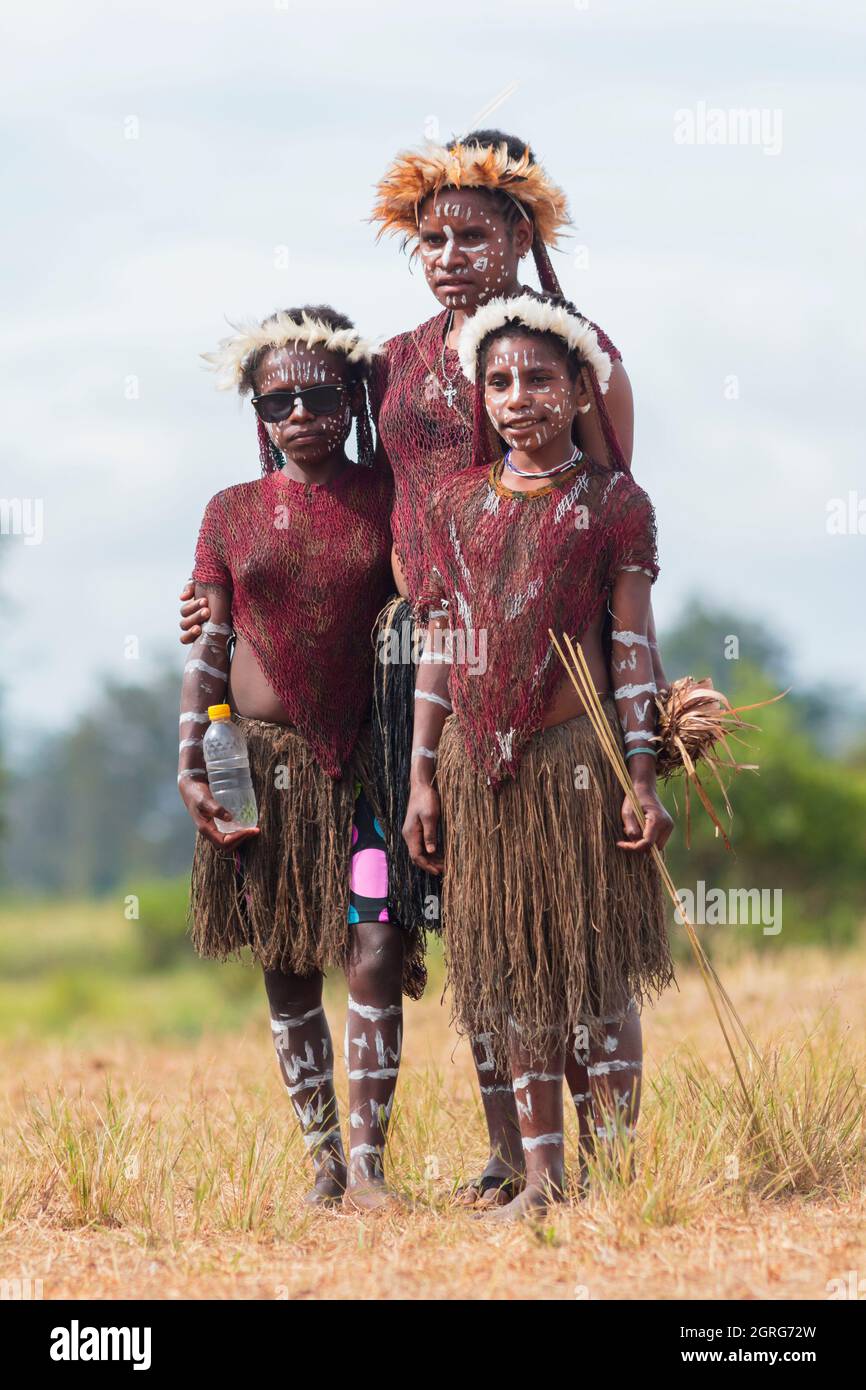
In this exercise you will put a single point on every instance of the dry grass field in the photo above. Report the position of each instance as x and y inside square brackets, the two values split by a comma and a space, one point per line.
[137, 1166]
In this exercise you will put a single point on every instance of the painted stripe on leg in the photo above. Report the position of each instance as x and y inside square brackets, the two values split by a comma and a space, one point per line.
[537, 1140]
[529, 1076]
[374, 1015]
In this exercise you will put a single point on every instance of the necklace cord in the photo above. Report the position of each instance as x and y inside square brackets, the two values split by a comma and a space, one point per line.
[576, 457]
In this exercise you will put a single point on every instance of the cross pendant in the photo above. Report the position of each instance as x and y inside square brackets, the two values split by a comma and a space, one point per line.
[450, 393]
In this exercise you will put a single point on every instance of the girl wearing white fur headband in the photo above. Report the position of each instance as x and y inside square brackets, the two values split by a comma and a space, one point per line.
[554, 917]
[295, 566]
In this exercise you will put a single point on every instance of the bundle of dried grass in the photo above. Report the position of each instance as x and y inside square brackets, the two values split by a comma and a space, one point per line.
[696, 724]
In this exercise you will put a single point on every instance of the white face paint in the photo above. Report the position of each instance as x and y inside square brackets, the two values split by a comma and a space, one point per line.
[528, 393]
[305, 438]
[445, 258]
[466, 249]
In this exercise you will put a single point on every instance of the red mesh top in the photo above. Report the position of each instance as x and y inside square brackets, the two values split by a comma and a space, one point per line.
[425, 438]
[511, 566]
[309, 570]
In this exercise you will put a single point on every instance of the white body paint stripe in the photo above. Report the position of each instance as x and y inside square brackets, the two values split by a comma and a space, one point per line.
[539, 1139]
[605, 1068]
[531, 1076]
[630, 639]
[196, 665]
[433, 699]
[190, 743]
[628, 692]
[282, 1021]
[318, 1136]
[367, 1010]
[193, 716]
[311, 1081]
[379, 1075]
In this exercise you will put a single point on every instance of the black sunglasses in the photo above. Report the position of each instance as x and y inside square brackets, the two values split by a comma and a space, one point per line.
[318, 400]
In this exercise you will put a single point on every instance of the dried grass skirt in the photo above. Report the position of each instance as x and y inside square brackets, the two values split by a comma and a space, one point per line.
[285, 893]
[546, 922]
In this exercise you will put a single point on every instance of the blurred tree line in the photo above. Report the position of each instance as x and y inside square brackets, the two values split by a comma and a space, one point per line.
[799, 822]
[100, 804]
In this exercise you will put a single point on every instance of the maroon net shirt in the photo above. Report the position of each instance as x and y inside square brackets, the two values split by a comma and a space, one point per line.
[512, 566]
[309, 568]
[424, 438]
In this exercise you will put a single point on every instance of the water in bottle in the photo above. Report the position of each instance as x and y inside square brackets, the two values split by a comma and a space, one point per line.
[228, 771]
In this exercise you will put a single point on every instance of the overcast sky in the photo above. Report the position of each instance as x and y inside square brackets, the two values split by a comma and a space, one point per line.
[171, 165]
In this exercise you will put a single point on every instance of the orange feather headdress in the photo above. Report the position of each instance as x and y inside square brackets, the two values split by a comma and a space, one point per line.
[417, 173]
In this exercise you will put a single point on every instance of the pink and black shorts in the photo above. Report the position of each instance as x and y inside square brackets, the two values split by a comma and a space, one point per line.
[368, 871]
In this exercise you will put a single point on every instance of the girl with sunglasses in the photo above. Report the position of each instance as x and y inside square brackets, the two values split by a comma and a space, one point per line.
[294, 568]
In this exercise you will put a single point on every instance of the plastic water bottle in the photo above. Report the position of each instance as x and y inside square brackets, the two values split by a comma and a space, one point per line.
[228, 771]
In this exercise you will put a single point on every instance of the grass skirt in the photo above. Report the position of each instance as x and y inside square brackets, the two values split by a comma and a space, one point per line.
[546, 922]
[413, 896]
[285, 894]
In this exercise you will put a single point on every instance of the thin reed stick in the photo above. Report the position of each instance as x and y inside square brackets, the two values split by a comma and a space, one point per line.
[585, 687]
[581, 678]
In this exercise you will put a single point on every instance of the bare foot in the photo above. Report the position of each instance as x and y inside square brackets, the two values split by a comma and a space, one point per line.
[327, 1191]
[371, 1196]
[498, 1184]
[500, 1192]
[530, 1205]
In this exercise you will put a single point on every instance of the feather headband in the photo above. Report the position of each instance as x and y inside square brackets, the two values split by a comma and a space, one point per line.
[417, 173]
[541, 317]
[278, 331]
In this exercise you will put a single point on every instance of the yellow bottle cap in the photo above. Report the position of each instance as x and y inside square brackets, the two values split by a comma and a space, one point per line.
[219, 711]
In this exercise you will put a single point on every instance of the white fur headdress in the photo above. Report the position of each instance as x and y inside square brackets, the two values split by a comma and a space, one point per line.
[278, 331]
[536, 314]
